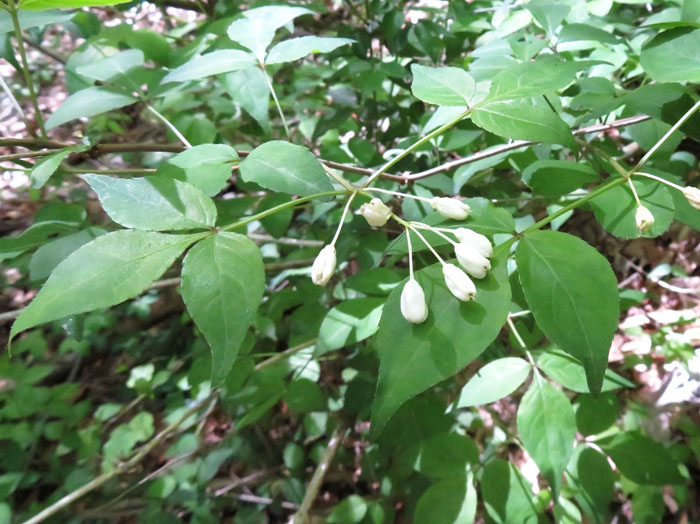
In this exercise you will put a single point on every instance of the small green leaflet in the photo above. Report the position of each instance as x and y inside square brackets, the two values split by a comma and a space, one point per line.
[494, 381]
[248, 88]
[572, 292]
[214, 63]
[109, 270]
[285, 167]
[523, 119]
[547, 427]
[448, 86]
[89, 102]
[47, 166]
[223, 281]
[206, 166]
[296, 48]
[153, 203]
[555, 178]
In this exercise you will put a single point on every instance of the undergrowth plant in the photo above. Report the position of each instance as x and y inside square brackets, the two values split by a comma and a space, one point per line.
[369, 211]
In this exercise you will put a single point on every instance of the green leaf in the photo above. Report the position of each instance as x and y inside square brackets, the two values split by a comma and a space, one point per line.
[507, 494]
[109, 270]
[257, 29]
[570, 373]
[214, 63]
[48, 256]
[414, 357]
[65, 4]
[585, 32]
[349, 511]
[89, 102]
[547, 428]
[447, 86]
[494, 381]
[673, 56]
[596, 414]
[47, 166]
[446, 455]
[555, 178]
[296, 48]
[117, 64]
[449, 501]
[523, 119]
[285, 167]
[28, 19]
[545, 75]
[572, 292]
[615, 208]
[593, 482]
[207, 166]
[641, 459]
[349, 322]
[223, 281]
[548, 14]
[153, 203]
[249, 89]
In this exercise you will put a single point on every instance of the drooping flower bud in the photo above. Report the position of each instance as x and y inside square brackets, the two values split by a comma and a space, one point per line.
[693, 196]
[375, 212]
[479, 241]
[644, 219]
[450, 207]
[323, 267]
[413, 306]
[459, 284]
[470, 259]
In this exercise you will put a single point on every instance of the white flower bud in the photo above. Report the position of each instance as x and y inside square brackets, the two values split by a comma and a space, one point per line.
[644, 219]
[375, 212]
[479, 241]
[450, 207]
[459, 284]
[693, 196]
[324, 265]
[470, 259]
[413, 306]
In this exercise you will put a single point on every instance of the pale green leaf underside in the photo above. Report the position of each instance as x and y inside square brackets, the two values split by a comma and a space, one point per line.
[65, 4]
[109, 270]
[296, 48]
[30, 19]
[572, 292]
[89, 102]
[112, 66]
[673, 56]
[494, 381]
[153, 203]
[448, 86]
[214, 63]
[223, 281]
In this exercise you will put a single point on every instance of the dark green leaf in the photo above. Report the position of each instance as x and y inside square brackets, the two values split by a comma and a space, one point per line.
[414, 357]
[349, 511]
[89, 102]
[223, 281]
[596, 414]
[507, 494]
[285, 167]
[555, 178]
[449, 501]
[572, 292]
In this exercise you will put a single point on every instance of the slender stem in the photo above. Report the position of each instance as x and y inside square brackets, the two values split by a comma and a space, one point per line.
[523, 346]
[427, 244]
[12, 8]
[170, 126]
[663, 139]
[301, 516]
[397, 193]
[284, 354]
[410, 253]
[274, 97]
[391, 163]
[634, 192]
[335, 176]
[659, 179]
[434, 230]
[601, 189]
[281, 207]
[342, 218]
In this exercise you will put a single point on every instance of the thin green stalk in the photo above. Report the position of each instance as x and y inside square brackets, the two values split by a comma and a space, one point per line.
[601, 189]
[391, 163]
[281, 207]
[274, 97]
[663, 139]
[170, 126]
[12, 8]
